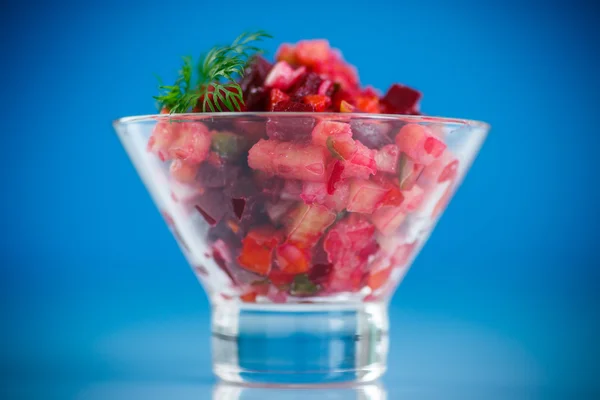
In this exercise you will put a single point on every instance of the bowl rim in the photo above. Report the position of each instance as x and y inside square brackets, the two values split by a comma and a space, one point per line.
[390, 117]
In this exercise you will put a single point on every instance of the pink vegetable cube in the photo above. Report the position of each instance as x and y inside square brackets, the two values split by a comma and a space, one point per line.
[386, 158]
[260, 156]
[290, 160]
[325, 129]
[419, 143]
[283, 76]
[352, 234]
[442, 169]
[312, 52]
[403, 253]
[361, 164]
[292, 258]
[339, 199]
[314, 192]
[388, 219]
[348, 245]
[412, 198]
[306, 223]
[183, 172]
[193, 143]
[365, 196]
[408, 171]
[163, 135]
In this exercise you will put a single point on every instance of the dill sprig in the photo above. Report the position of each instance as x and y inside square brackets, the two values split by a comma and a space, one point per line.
[215, 78]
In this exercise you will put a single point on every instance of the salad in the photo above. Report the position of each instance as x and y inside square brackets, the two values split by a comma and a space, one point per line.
[301, 207]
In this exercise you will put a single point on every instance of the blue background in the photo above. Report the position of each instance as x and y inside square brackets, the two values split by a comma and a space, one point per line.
[93, 289]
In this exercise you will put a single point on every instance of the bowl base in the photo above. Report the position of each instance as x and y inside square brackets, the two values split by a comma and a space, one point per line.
[299, 344]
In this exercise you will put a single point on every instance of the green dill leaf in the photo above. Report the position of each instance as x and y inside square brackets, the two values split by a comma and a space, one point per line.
[222, 64]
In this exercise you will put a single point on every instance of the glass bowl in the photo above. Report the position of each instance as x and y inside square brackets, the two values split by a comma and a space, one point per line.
[300, 226]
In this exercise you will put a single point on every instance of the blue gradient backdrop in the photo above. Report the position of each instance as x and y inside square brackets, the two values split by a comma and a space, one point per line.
[93, 287]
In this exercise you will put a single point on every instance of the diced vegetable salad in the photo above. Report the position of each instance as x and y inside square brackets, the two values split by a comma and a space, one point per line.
[301, 207]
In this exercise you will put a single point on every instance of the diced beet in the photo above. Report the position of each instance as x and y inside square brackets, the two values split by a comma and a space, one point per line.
[373, 134]
[293, 106]
[252, 129]
[270, 186]
[335, 176]
[212, 205]
[246, 204]
[255, 98]
[319, 255]
[289, 129]
[386, 159]
[308, 83]
[255, 73]
[214, 176]
[283, 76]
[319, 273]
[401, 99]
[238, 207]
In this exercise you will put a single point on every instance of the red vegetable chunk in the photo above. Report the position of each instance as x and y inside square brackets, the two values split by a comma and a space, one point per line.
[257, 250]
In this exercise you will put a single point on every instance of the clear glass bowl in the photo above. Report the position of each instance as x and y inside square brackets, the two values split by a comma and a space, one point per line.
[300, 226]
